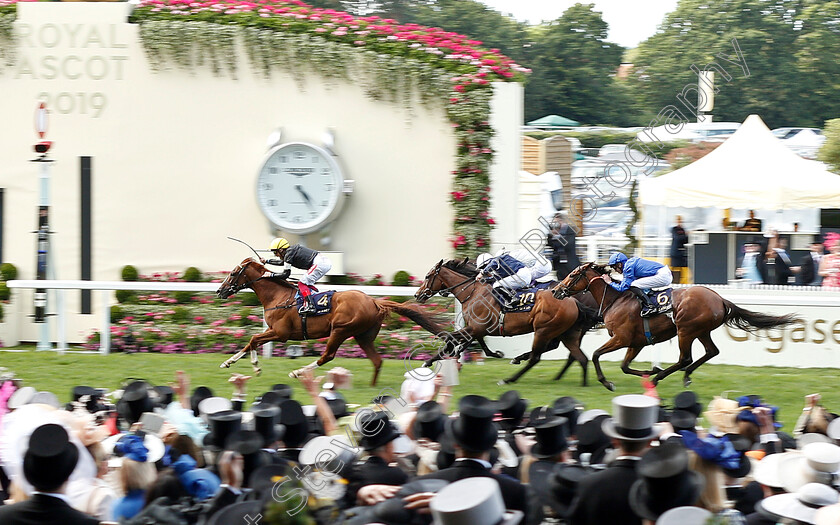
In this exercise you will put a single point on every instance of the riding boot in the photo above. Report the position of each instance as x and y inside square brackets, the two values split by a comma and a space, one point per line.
[506, 295]
[308, 305]
[648, 309]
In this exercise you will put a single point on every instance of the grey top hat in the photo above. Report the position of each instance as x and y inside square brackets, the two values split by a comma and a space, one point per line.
[472, 501]
[684, 516]
[800, 506]
[20, 397]
[633, 418]
[45, 398]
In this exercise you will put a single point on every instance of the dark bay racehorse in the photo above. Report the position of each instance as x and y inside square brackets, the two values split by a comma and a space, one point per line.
[353, 314]
[552, 321]
[697, 311]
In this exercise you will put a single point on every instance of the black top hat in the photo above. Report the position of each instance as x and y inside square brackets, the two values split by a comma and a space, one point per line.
[199, 394]
[562, 485]
[377, 430]
[222, 425]
[135, 401]
[163, 395]
[265, 424]
[665, 482]
[292, 417]
[285, 391]
[592, 440]
[567, 407]
[249, 444]
[272, 398]
[511, 406]
[551, 433]
[79, 391]
[446, 454]
[338, 406]
[474, 429]
[683, 420]
[93, 394]
[430, 421]
[50, 458]
[687, 401]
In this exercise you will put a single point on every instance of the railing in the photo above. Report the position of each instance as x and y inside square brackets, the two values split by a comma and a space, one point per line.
[109, 286]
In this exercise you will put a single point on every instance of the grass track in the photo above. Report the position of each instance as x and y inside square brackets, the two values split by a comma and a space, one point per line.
[783, 387]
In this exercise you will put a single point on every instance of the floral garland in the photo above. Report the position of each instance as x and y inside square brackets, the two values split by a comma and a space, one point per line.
[393, 62]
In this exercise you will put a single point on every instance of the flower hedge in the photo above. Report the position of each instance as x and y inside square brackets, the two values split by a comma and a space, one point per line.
[394, 62]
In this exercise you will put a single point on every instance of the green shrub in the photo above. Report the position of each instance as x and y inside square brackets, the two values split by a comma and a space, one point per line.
[130, 273]
[339, 279]
[126, 296]
[117, 313]
[181, 314]
[192, 274]
[1, 313]
[401, 278]
[5, 293]
[184, 296]
[8, 271]
[250, 299]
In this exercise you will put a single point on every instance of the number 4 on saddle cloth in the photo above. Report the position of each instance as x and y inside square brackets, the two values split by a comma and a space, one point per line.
[524, 299]
[322, 301]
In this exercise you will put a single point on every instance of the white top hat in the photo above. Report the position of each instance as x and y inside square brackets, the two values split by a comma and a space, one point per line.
[802, 505]
[211, 405]
[684, 516]
[633, 418]
[21, 397]
[817, 463]
[472, 501]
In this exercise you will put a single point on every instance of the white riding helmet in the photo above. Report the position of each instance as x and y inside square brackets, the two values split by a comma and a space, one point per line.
[482, 259]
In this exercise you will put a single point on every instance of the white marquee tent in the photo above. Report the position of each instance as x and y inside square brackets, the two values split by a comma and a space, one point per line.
[752, 169]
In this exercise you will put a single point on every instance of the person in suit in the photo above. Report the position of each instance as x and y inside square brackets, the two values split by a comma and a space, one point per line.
[47, 465]
[604, 497]
[778, 258]
[678, 252]
[561, 240]
[378, 435]
[752, 224]
[474, 435]
[808, 273]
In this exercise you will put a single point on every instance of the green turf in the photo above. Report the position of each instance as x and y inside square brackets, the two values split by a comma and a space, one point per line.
[784, 387]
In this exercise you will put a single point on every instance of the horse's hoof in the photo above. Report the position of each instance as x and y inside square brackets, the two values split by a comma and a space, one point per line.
[686, 381]
[514, 361]
[257, 371]
[224, 365]
[501, 382]
[294, 373]
[497, 355]
[608, 385]
[656, 370]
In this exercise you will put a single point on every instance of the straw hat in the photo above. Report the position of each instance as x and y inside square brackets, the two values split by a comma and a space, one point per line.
[722, 414]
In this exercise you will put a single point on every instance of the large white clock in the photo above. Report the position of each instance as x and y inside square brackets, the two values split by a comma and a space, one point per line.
[300, 187]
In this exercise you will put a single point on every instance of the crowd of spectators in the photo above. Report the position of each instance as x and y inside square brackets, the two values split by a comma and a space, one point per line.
[170, 455]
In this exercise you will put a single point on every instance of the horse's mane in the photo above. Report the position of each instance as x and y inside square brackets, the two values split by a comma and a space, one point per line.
[462, 266]
[282, 282]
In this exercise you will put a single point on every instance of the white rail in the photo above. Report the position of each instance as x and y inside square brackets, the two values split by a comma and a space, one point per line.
[109, 286]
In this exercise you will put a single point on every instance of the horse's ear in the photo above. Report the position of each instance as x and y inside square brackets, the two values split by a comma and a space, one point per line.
[439, 264]
[466, 260]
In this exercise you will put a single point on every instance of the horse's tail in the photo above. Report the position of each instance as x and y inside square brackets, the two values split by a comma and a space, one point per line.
[587, 317]
[426, 321]
[750, 321]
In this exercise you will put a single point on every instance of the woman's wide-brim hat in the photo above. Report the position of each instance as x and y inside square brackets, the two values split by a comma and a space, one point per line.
[152, 443]
[684, 516]
[800, 506]
[767, 470]
[817, 463]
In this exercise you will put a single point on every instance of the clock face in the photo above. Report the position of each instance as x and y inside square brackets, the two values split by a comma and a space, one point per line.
[299, 187]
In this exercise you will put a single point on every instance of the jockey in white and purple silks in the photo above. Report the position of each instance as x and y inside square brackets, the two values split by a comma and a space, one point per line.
[512, 271]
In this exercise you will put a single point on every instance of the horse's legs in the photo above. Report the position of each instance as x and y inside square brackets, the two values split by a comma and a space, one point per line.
[540, 345]
[631, 354]
[711, 351]
[610, 346]
[255, 342]
[365, 341]
[454, 343]
[521, 357]
[337, 336]
[685, 340]
[487, 351]
[571, 340]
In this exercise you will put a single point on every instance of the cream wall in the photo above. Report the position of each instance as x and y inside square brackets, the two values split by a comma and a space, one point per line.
[175, 158]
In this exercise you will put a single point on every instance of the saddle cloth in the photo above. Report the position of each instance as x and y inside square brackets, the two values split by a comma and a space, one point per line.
[323, 302]
[661, 299]
[524, 299]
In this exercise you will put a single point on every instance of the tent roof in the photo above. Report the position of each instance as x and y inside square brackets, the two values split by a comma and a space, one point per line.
[554, 120]
[751, 169]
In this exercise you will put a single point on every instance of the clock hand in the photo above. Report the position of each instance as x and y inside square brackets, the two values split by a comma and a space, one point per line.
[306, 196]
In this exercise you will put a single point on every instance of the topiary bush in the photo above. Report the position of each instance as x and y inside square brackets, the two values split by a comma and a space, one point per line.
[117, 313]
[8, 271]
[5, 293]
[130, 273]
[192, 275]
[401, 278]
[126, 296]
[183, 296]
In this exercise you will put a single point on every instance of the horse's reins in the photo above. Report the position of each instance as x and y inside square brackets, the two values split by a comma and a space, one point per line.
[239, 287]
[444, 292]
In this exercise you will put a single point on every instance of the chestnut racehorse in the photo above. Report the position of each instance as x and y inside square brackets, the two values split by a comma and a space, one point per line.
[552, 321]
[697, 311]
[353, 314]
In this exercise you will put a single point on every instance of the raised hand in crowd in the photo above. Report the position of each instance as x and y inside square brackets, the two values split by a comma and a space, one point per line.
[373, 494]
[231, 469]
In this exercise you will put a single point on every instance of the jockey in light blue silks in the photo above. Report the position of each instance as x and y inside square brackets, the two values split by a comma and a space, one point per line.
[639, 276]
[512, 271]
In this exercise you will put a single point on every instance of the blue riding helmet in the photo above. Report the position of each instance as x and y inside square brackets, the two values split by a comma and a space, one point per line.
[616, 258]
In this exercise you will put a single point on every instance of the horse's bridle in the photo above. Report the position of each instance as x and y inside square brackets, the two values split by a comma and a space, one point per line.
[428, 293]
[565, 290]
[235, 276]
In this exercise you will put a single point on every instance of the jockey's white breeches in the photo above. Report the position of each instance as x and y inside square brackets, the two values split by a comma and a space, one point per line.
[320, 266]
[662, 277]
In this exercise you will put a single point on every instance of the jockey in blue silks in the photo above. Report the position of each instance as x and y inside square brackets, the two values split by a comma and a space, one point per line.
[639, 276]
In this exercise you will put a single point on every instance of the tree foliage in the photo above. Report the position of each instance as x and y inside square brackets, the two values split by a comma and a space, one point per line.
[830, 150]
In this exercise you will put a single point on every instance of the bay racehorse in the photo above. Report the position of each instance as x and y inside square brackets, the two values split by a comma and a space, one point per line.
[697, 311]
[552, 321]
[353, 314]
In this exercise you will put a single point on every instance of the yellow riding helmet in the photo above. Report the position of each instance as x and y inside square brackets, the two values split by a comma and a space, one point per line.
[279, 244]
